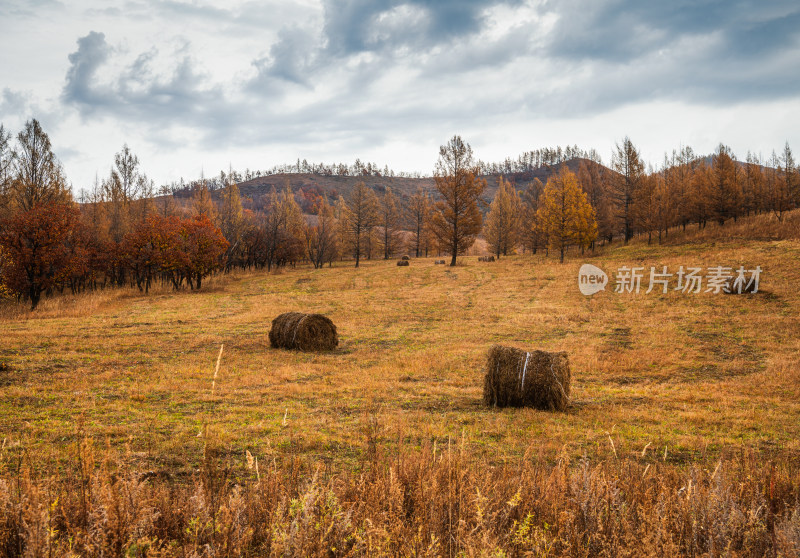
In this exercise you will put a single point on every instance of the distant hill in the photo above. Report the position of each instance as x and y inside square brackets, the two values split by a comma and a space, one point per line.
[334, 186]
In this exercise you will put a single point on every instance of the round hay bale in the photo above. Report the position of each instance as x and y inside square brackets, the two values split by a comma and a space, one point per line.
[517, 378]
[743, 287]
[402, 262]
[405, 258]
[303, 332]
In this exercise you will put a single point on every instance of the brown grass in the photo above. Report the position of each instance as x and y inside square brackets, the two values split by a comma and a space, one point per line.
[435, 501]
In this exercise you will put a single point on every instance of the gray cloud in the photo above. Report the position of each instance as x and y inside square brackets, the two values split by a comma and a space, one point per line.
[13, 103]
[183, 97]
[353, 26]
[364, 74]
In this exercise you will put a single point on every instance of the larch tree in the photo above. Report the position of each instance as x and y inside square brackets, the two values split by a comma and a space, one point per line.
[504, 219]
[456, 219]
[630, 170]
[531, 233]
[360, 216]
[594, 180]
[231, 220]
[166, 202]
[321, 238]
[202, 204]
[724, 188]
[418, 211]
[565, 214]
[752, 185]
[791, 175]
[389, 215]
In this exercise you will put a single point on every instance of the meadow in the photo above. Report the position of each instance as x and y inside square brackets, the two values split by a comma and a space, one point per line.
[665, 387]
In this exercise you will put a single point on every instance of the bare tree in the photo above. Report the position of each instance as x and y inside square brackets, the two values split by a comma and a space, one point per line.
[630, 171]
[37, 174]
[320, 239]
[389, 216]
[419, 210]
[360, 217]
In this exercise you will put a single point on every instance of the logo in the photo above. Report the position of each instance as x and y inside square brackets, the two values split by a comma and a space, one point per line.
[591, 279]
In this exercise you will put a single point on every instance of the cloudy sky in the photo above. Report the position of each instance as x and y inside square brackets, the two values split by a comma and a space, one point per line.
[200, 85]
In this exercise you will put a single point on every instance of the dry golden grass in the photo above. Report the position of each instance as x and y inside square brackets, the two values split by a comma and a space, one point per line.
[687, 373]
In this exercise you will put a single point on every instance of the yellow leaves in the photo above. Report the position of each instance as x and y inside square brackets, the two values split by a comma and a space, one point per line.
[565, 214]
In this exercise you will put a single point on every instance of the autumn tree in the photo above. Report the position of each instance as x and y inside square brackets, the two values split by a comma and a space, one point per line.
[125, 184]
[418, 215]
[37, 175]
[504, 219]
[321, 238]
[752, 185]
[702, 194]
[791, 178]
[35, 242]
[360, 216]
[531, 234]
[724, 187]
[595, 181]
[565, 214]
[456, 219]
[6, 161]
[166, 202]
[231, 221]
[205, 249]
[389, 221]
[283, 226]
[630, 170]
[202, 204]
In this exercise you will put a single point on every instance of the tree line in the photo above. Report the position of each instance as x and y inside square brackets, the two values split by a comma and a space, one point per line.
[125, 232]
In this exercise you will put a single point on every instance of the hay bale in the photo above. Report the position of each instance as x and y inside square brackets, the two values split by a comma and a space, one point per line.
[303, 332]
[402, 262]
[405, 258]
[747, 288]
[517, 378]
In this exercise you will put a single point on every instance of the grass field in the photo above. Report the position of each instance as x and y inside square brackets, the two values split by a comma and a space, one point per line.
[680, 379]
[692, 373]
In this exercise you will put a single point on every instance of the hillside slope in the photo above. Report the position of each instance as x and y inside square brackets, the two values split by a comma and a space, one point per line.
[404, 187]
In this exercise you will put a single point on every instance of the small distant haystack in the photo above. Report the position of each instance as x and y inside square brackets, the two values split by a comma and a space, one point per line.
[517, 378]
[405, 258]
[742, 287]
[402, 262]
[303, 332]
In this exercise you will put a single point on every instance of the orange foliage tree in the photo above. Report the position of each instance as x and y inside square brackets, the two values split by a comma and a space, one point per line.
[35, 242]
